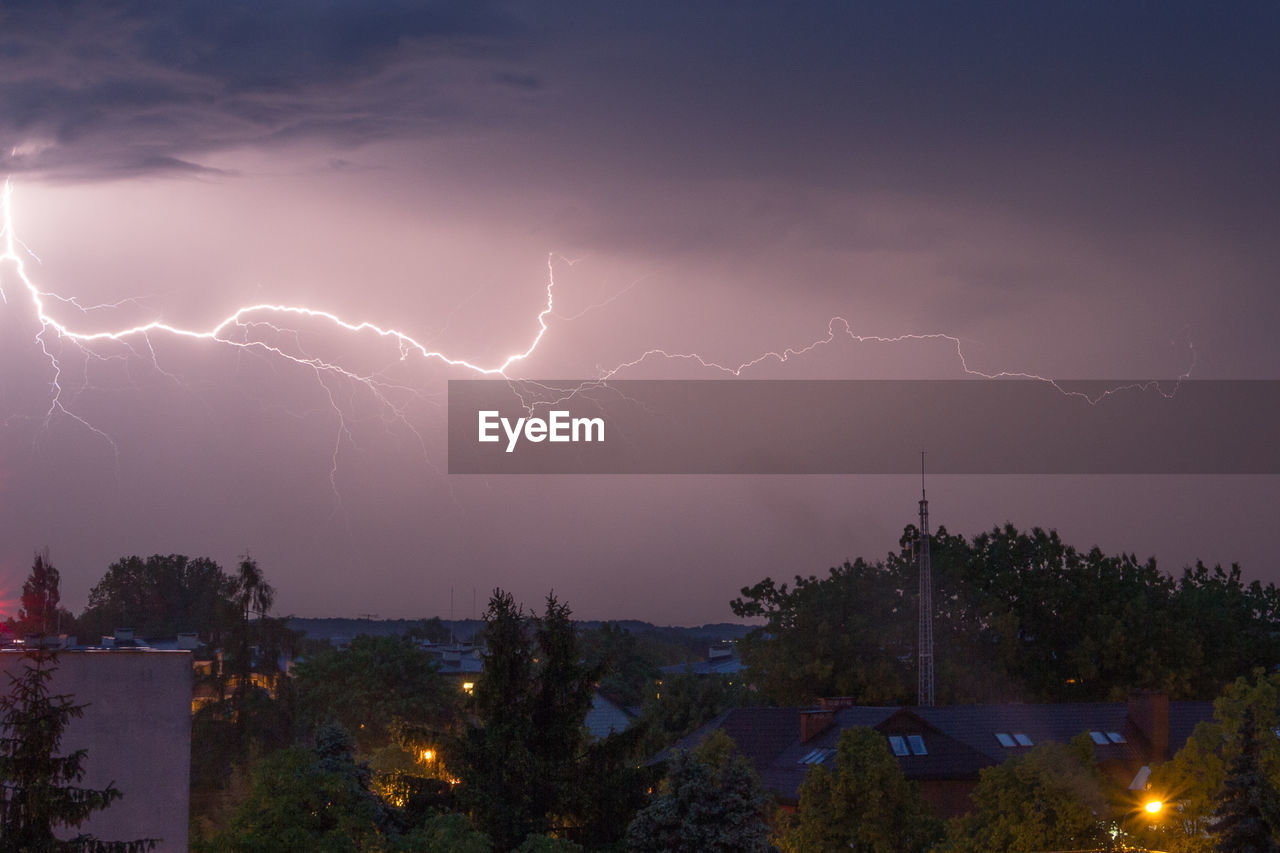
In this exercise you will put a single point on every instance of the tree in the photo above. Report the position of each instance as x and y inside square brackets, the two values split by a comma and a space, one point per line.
[629, 667]
[307, 800]
[1020, 615]
[1194, 780]
[844, 635]
[162, 596]
[41, 612]
[523, 759]
[867, 806]
[497, 765]
[685, 701]
[703, 810]
[431, 630]
[40, 793]
[1245, 810]
[253, 593]
[370, 685]
[1050, 798]
[253, 709]
[446, 832]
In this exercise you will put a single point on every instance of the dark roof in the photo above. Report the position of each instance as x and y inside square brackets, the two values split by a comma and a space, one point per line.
[1183, 719]
[976, 726]
[760, 733]
[959, 740]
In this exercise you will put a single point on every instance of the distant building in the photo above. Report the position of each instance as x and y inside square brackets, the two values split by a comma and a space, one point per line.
[944, 748]
[137, 733]
[461, 662]
[606, 717]
[721, 660]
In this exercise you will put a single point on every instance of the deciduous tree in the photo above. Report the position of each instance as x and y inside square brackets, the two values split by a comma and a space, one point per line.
[867, 805]
[703, 810]
[162, 596]
[1051, 798]
[373, 683]
[41, 611]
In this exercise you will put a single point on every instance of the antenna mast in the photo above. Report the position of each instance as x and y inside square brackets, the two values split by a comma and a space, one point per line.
[924, 693]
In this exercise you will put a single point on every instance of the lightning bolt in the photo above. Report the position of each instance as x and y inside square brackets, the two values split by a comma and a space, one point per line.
[236, 330]
[242, 329]
[838, 327]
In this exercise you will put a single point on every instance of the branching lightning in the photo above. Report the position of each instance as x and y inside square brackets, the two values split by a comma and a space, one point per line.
[239, 329]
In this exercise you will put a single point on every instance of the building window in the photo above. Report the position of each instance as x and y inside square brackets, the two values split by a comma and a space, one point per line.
[1022, 739]
[917, 745]
[1099, 738]
[817, 756]
[899, 745]
[1115, 737]
[1005, 740]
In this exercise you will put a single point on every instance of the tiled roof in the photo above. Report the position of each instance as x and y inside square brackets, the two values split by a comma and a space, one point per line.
[976, 726]
[1183, 719]
[958, 740]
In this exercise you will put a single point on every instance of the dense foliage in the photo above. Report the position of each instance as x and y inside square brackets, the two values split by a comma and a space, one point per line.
[1053, 797]
[710, 802]
[308, 799]
[524, 761]
[1200, 777]
[162, 596]
[683, 702]
[866, 806]
[372, 684]
[1017, 616]
[41, 611]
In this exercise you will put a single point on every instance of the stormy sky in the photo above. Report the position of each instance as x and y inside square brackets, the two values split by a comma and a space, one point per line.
[1071, 190]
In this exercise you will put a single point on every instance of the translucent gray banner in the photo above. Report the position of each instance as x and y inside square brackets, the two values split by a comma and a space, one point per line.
[864, 427]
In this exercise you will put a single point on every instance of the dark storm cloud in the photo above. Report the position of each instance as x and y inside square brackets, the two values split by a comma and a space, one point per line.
[88, 89]
[1150, 102]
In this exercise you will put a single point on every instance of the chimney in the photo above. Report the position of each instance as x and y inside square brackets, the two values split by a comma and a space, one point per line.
[1149, 711]
[814, 723]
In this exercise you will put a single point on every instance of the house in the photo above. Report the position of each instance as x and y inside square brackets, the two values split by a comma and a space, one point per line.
[721, 660]
[943, 749]
[461, 661]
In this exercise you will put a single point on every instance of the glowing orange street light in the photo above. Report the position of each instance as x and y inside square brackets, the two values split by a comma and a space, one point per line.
[1153, 807]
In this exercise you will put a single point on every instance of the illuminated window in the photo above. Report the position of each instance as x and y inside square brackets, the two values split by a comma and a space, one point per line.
[1116, 737]
[1005, 741]
[468, 686]
[1099, 738]
[917, 745]
[899, 745]
[1022, 739]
